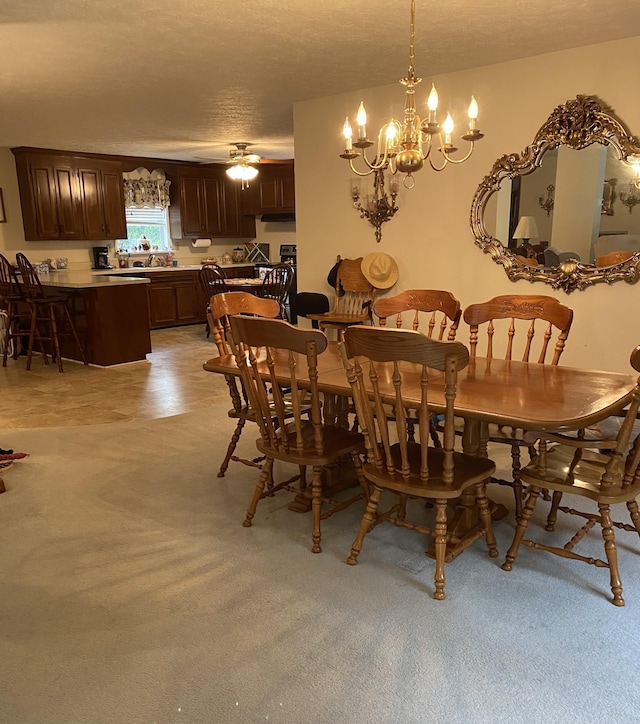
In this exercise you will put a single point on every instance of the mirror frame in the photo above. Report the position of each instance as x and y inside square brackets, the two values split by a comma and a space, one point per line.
[578, 123]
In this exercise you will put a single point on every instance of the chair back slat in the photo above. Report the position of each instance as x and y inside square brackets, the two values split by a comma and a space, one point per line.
[516, 307]
[28, 277]
[225, 304]
[440, 309]
[398, 363]
[291, 361]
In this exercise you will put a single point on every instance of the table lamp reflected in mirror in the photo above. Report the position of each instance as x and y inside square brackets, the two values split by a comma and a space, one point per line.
[526, 230]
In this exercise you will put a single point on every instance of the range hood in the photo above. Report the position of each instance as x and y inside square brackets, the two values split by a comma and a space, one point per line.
[278, 218]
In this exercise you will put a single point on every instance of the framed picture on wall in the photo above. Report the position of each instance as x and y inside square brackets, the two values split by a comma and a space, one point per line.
[3, 214]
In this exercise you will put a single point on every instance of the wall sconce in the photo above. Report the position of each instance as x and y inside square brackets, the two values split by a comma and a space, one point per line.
[378, 206]
[547, 204]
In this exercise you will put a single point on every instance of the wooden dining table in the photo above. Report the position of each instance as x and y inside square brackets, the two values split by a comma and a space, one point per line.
[520, 394]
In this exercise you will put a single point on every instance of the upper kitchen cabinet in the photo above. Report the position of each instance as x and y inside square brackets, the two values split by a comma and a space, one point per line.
[210, 204]
[273, 191]
[66, 196]
[102, 200]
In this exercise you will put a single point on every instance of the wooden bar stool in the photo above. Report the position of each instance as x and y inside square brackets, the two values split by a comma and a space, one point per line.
[13, 302]
[47, 312]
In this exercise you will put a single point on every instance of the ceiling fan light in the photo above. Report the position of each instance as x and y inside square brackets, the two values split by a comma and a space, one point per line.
[242, 172]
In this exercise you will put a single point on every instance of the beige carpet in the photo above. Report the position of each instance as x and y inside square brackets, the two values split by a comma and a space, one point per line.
[130, 593]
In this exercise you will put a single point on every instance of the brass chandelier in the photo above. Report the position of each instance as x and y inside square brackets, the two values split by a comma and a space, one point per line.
[404, 147]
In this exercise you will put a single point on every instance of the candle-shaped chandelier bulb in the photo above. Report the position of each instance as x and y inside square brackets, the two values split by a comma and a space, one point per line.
[403, 146]
[347, 134]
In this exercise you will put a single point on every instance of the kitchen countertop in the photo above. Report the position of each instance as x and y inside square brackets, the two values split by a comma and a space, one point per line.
[87, 279]
[182, 267]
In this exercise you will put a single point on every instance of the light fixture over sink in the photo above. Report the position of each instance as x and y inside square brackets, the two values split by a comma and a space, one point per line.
[404, 147]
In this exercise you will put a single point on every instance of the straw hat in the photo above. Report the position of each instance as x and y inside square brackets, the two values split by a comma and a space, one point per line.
[380, 270]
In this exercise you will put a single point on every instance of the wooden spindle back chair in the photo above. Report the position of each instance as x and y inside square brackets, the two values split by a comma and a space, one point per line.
[390, 366]
[48, 312]
[276, 285]
[534, 328]
[221, 307]
[15, 306]
[606, 472]
[212, 281]
[433, 312]
[353, 300]
[273, 355]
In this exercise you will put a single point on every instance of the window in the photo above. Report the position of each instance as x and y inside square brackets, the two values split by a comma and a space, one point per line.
[152, 223]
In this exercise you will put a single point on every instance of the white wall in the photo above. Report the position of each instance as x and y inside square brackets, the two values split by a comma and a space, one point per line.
[430, 236]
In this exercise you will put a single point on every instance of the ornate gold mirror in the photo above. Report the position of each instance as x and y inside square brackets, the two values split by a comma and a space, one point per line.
[562, 211]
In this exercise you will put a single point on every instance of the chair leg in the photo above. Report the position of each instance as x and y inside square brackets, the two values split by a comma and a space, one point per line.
[316, 507]
[523, 522]
[552, 517]
[232, 446]
[440, 546]
[517, 482]
[485, 517]
[368, 519]
[54, 334]
[72, 327]
[612, 553]
[265, 473]
[632, 506]
[32, 334]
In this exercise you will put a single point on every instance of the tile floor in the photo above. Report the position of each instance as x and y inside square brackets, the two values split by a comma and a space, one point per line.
[170, 382]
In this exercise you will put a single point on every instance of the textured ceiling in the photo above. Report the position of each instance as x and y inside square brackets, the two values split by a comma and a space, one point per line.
[182, 79]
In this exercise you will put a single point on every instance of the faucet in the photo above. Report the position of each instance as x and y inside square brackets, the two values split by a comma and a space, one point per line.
[150, 258]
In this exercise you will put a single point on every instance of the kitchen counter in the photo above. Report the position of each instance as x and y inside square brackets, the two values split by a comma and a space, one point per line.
[88, 279]
[152, 269]
[110, 313]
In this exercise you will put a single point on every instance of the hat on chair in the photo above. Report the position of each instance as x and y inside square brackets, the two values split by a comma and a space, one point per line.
[380, 270]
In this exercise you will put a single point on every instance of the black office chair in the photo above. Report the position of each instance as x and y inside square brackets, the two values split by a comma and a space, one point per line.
[311, 303]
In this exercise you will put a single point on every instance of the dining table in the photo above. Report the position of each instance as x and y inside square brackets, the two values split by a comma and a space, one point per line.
[527, 395]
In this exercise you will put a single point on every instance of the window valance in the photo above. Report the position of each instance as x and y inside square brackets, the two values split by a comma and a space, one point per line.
[144, 188]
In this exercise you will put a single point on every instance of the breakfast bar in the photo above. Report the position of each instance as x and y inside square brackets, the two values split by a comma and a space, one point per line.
[110, 313]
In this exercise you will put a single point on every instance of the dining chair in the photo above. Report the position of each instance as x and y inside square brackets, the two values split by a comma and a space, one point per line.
[606, 472]
[374, 359]
[274, 356]
[434, 312]
[48, 312]
[276, 285]
[221, 307]
[15, 306]
[212, 281]
[531, 327]
[353, 299]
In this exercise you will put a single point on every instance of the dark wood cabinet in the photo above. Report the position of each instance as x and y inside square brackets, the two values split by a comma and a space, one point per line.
[174, 299]
[273, 192]
[210, 205]
[67, 196]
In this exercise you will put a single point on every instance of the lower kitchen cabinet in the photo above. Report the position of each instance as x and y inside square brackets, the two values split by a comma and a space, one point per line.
[174, 299]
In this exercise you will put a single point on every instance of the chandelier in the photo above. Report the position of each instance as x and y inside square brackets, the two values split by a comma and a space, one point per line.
[404, 147]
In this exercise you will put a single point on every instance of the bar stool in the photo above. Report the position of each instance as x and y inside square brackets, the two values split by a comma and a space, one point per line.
[47, 311]
[13, 302]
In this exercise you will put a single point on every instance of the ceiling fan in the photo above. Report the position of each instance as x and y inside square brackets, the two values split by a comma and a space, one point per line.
[241, 164]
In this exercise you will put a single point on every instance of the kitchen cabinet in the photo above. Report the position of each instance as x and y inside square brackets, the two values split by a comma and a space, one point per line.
[273, 191]
[211, 206]
[67, 196]
[174, 299]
